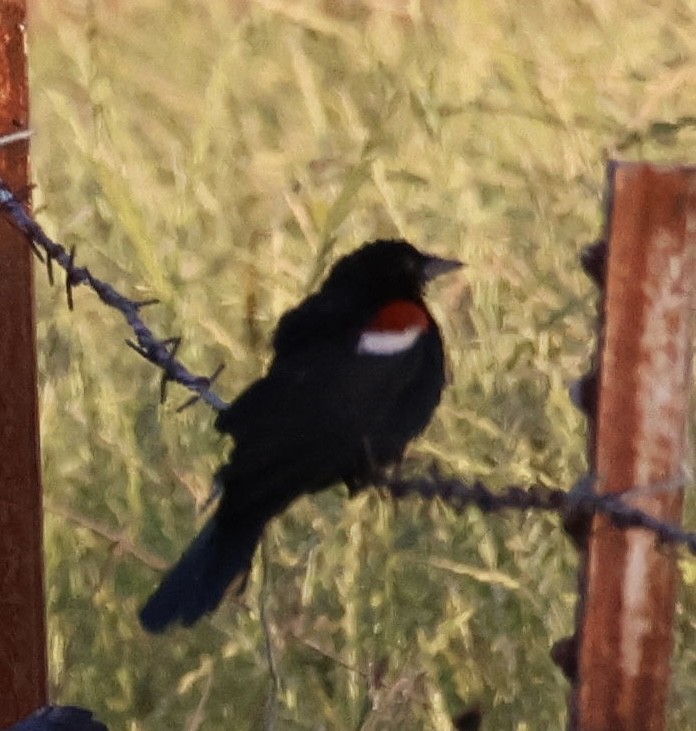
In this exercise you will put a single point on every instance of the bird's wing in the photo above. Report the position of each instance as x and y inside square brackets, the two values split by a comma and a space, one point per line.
[325, 414]
[320, 391]
[335, 368]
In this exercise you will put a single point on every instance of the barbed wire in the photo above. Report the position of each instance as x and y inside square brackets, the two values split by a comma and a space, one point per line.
[160, 352]
[580, 502]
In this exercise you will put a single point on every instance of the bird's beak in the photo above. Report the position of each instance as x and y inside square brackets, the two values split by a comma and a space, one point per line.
[434, 266]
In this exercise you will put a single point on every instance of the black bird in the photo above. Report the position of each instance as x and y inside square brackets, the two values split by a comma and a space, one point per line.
[357, 373]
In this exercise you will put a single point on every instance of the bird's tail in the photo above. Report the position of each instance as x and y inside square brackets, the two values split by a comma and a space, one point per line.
[219, 555]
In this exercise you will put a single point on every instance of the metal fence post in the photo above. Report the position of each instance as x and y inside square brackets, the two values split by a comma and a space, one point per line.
[22, 621]
[630, 578]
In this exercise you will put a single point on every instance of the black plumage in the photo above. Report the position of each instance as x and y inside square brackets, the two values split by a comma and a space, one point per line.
[59, 718]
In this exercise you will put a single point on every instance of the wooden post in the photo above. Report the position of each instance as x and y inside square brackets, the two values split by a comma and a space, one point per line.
[625, 637]
[22, 623]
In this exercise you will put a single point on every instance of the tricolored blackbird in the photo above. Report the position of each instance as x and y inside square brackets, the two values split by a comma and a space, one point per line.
[357, 373]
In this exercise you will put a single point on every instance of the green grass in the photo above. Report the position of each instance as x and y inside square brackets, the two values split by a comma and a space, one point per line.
[219, 156]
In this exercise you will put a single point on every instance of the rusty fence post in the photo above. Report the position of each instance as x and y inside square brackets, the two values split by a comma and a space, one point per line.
[630, 579]
[22, 622]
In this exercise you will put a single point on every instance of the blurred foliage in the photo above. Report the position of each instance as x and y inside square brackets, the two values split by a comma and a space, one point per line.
[219, 155]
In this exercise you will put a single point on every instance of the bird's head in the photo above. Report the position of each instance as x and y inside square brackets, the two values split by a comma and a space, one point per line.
[387, 270]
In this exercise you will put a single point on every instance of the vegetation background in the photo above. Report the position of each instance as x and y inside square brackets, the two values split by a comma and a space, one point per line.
[219, 155]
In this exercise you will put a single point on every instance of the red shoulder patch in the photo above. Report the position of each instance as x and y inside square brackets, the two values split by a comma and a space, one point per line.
[400, 315]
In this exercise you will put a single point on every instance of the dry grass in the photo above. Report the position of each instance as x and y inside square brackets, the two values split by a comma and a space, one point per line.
[219, 156]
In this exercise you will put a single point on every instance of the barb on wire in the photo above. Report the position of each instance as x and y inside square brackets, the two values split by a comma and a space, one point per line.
[70, 269]
[156, 351]
[197, 396]
[581, 499]
[49, 265]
